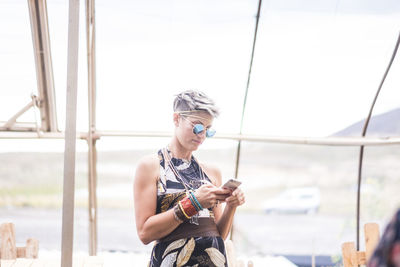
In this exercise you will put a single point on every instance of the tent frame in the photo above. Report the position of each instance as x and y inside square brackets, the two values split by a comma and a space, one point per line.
[46, 104]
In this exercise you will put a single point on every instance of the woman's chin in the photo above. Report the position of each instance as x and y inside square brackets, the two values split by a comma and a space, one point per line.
[194, 146]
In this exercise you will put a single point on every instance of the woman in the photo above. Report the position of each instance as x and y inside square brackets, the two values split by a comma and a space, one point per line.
[177, 199]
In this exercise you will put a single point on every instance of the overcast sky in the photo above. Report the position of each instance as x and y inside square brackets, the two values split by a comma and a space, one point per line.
[317, 64]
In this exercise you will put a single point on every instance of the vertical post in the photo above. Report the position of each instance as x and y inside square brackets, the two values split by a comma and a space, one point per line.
[70, 136]
[92, 157]
[371, 234]
[349, 254]
[44, 67]
[8, 249]
[32, 248]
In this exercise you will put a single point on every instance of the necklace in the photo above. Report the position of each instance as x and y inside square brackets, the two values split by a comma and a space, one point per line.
[167, 157]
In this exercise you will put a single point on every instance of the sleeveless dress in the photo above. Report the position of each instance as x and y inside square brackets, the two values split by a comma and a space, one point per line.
[189, 244]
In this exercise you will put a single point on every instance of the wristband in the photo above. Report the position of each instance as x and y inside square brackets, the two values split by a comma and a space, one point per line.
[183, 211]
[196, 201]
[178, 216]
[187, 207]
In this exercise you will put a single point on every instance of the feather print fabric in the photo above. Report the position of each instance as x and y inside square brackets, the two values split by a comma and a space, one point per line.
[194, 251]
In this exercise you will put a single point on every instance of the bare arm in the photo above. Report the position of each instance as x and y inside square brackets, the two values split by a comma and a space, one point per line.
[149, 225]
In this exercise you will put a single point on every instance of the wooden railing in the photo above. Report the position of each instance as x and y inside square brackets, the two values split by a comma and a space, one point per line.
[8, 248]
[354, 258]
[27, 256]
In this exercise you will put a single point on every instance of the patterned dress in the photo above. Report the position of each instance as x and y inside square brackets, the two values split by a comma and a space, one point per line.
[186, 248]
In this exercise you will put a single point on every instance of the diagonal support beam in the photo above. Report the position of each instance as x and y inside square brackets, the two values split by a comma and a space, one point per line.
[43, 62]
[11, 122]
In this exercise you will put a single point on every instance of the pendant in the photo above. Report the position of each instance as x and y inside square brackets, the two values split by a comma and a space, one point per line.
[194, 219]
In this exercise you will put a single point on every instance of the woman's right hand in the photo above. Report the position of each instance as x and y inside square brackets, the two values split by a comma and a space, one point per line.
[209, 195]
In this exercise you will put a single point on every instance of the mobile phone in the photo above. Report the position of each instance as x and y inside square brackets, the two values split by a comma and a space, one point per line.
[231, 184]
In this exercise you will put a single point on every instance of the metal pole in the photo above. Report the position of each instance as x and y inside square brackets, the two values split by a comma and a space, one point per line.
[14, 118]
[70, 136]
[44, 67]
[247, 86]
[92, 157]
[364, 131]
[294, 140]
[245, 96]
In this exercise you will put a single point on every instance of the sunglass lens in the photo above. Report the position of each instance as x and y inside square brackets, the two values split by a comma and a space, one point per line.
[210, 133]
[198, 129]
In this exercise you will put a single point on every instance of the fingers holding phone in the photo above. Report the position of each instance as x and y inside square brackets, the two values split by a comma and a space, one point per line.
[231, 184]
[209, 195]
[237, 197]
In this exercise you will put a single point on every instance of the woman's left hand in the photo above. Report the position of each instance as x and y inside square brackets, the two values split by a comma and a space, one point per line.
[236, 199]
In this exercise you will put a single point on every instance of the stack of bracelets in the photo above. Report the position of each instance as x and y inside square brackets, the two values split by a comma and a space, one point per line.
[187, 207]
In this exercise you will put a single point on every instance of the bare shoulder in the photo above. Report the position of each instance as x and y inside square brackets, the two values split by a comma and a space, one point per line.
[151, 160]
[148, 168]
[213, 172]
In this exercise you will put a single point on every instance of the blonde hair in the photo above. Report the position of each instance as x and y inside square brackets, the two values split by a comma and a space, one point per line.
[191, 100]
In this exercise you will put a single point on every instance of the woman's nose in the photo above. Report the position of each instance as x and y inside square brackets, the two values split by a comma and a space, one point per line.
[202, 134]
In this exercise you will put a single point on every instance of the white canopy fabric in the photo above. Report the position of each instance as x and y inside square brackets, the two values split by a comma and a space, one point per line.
[146, 53]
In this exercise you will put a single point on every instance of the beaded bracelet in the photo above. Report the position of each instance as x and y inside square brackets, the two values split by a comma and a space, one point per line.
[194, 203]
[197, 205]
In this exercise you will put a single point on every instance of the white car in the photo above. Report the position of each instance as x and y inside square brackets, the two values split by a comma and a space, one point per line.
[295, 200]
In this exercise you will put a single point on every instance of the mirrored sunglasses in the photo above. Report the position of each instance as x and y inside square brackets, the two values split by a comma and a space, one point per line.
[199, 128]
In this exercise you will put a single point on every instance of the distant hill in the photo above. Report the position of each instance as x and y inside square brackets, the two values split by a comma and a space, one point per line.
[344, 7]
[385, 124]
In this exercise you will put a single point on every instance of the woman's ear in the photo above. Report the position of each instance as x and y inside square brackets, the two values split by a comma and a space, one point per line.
[176, 119]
